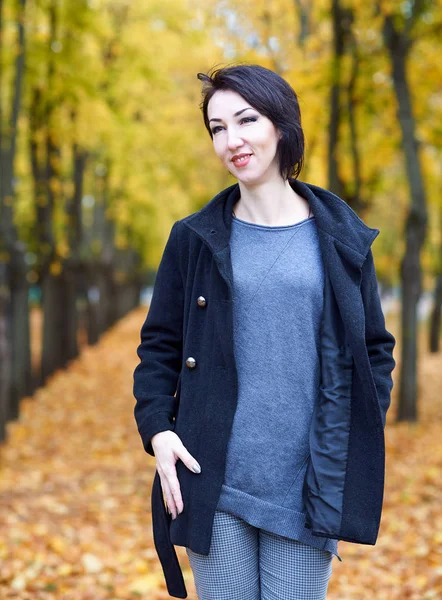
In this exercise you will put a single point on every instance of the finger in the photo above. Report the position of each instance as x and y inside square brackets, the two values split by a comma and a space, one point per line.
[174, 487]
[170, 502]
[175, 490]
[165, 503]
[190, 462]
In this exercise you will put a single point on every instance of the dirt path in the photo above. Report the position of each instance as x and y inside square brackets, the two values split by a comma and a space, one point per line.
[75, 493]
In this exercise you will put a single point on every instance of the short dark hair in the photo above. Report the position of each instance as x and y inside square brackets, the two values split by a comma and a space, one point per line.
[270, 95]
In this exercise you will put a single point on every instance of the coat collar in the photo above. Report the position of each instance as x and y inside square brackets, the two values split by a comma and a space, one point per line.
[333, 217]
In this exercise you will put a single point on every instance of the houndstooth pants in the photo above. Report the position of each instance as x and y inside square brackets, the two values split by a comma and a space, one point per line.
[247, 563]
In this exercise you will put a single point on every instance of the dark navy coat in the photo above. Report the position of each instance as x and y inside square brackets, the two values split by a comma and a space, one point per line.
[344, 483]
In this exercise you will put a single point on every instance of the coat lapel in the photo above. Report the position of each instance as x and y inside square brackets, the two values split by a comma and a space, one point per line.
[350, 237]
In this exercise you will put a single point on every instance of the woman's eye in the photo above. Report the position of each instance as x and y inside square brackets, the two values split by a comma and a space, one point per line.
[245, 120]
[248, 119]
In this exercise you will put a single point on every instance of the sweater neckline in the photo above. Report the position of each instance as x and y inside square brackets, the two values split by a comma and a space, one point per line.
[272, 227]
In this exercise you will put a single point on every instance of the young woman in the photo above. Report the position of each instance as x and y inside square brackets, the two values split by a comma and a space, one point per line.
[265, 365]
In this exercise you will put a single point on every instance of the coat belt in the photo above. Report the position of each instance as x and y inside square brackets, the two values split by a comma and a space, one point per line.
[166, 551]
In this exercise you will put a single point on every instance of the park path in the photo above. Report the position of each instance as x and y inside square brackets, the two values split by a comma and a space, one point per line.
[75, 484]
[75, 493]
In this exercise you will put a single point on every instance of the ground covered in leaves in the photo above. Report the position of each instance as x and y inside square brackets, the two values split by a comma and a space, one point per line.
[75, 492]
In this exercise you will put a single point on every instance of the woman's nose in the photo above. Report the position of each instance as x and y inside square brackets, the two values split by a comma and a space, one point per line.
[233, 140]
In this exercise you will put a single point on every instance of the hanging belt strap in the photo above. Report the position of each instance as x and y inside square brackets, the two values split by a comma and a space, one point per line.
[165, 549]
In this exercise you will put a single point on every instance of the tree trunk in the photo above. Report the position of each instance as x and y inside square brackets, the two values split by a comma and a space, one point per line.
[15, 357]
[435, 318]
[353, 194]
[72, 266]
[335, 183]
[398, 44]
[94, 313]
[5, 351]
[42, 233]
[55, 352]
[71, 279]
[304, 9]
[21, 369]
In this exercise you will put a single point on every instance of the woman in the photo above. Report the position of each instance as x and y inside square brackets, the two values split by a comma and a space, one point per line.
[265, 372]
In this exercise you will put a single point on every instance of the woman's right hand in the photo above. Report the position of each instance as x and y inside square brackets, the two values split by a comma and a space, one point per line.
[168, 448]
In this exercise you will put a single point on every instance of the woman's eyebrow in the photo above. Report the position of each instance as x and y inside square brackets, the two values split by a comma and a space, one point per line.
[235, 115]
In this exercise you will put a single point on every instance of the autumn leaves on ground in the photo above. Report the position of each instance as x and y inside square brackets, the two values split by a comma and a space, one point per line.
[75, 492]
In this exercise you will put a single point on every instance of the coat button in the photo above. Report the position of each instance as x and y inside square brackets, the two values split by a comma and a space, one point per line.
[191, 362]
[201, 301]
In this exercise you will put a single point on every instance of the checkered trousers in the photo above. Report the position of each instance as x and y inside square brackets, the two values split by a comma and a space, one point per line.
[247, 563]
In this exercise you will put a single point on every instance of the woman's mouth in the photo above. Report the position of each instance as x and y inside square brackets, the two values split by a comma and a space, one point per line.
[242, 161]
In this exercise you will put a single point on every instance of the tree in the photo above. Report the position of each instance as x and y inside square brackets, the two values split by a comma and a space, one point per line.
[14, 323]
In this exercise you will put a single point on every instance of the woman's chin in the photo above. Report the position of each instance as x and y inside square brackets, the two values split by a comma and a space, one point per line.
[250, 178]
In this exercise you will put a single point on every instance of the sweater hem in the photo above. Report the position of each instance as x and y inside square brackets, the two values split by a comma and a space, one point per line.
[276, 519]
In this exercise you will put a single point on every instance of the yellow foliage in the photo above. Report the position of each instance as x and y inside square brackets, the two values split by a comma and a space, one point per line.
[125, 91]
[55, 267]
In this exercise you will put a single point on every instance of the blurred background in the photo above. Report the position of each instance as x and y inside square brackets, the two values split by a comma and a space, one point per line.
[103, 147]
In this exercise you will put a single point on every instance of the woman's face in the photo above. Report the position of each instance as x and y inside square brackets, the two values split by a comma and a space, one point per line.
[249, 133]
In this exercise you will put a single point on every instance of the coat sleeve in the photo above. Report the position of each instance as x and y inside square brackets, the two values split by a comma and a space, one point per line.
[379, 341]
[160, 350]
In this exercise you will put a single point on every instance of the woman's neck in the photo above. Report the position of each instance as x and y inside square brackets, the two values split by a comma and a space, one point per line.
[272, 203]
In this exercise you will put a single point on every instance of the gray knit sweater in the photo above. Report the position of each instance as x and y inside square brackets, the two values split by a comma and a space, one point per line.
[278, 293]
